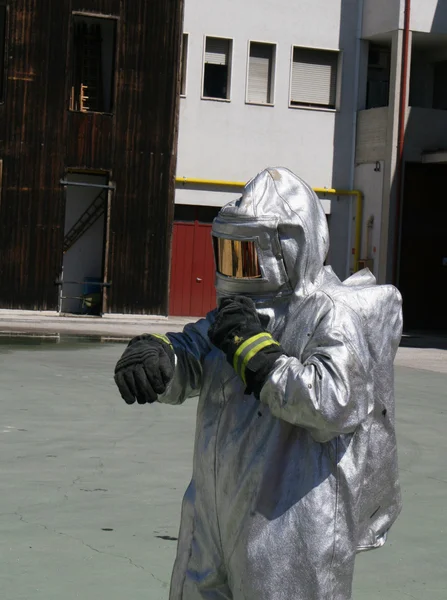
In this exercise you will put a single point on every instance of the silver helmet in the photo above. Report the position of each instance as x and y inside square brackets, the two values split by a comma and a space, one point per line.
[272, 241]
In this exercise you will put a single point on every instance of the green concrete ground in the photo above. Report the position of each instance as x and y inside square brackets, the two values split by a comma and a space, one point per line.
[91, 488]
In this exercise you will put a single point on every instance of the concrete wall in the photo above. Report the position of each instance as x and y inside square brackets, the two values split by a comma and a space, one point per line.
[85, 258]
[422, 79]
[382, 16]
[423, 73]
[234, 140]
[426, 131]
[429, 16]
[371, 135]
[370, 182]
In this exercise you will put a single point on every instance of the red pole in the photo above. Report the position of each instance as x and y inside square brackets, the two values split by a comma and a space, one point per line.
[401, 136]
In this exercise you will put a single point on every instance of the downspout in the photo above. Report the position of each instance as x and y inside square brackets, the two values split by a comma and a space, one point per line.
[401, 138]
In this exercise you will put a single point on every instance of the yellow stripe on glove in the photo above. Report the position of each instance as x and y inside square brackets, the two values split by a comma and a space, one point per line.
[164, 338]
[249, 349]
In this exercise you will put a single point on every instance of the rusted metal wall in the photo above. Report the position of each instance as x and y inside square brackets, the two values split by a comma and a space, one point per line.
[31, 146]
[146, 133]
[41, 139]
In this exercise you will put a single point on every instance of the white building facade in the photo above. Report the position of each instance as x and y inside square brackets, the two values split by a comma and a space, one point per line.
[315, 86]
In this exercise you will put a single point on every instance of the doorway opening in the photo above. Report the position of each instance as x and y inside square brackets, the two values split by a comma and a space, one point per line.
[423, 249]
[192, 289]
[85, 235]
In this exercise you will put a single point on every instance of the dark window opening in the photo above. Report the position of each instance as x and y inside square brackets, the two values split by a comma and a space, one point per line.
[215, 84]
[85, 235]
[3, 15]
[216, 77]
[440, 85]
[188, 213]
[378, 82]
[93, 64]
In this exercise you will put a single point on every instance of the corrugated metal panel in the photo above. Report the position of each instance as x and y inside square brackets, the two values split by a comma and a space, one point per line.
[203, 297]
[181, 271]
[193, 291]
[90, 140]
[40, 139]
[106, 7]
[146, 132]
[31, 122]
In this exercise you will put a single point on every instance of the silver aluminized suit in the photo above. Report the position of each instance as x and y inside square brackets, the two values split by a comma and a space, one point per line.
[287, 489]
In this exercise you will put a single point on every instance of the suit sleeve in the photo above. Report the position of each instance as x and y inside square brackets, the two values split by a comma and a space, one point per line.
[328, 391]
[191, 348]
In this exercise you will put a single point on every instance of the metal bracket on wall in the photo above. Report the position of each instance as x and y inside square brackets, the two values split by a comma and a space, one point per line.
[89, 185]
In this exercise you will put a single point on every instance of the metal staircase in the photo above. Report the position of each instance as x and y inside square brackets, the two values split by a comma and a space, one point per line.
[86, 220]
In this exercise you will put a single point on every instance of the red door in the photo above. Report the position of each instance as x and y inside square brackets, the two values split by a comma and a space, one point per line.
[192, 292]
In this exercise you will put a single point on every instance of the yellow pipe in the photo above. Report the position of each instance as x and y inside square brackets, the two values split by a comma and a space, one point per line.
[334, 192]
[210, 182]
[358, 217]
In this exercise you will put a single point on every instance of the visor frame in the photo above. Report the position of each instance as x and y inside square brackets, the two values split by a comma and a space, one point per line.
[263, 231]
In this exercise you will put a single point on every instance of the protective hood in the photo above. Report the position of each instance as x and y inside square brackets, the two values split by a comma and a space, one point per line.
[285, 222]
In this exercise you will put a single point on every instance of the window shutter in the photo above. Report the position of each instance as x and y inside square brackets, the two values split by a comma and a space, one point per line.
[217, 51]
[259, 73]
[314, 77]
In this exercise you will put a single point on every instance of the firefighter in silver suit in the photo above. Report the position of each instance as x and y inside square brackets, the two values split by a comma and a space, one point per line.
[295, 462]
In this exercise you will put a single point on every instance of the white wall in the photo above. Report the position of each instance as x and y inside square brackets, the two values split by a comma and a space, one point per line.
[429, 16]
[382, 16]
[84, 259]
[233, 141]
[426, 131]
[371, 183]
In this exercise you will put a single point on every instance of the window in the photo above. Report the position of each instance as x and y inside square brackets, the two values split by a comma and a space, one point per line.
[93, 64]
[261, 73]
[440, 85]
[378, 83]
[314, 78]
[183, 64]
[428, 80]
[217, 68]
[3, 15]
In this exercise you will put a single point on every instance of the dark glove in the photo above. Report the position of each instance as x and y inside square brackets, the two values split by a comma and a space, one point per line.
[249, 349]
[145, 369]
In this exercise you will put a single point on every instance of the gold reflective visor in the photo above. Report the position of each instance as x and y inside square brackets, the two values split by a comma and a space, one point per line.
[236, 258]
